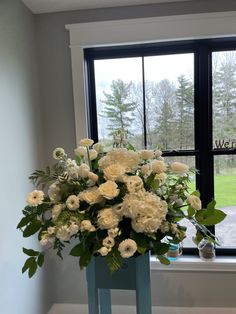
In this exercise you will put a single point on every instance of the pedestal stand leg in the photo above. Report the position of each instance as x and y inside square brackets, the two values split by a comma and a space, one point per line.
[105, 301]
[92, 289]
[143, 286]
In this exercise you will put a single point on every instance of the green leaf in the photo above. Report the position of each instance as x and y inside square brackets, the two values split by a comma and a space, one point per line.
[160, 248]
[31, 229]
[114, 260]
[191, 211]
[28, 264]
[40, 260]
[24, 221]
[78, 160]
[211, 205]
[32, 269]
[196, 193]
[141, 241]
[197, 238]
[209, 217]
[85, 259]
[77, 250]
[163, 260]
[30, 252]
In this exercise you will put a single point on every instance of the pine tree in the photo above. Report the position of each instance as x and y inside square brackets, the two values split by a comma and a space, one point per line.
[185, 112]
[118, 109]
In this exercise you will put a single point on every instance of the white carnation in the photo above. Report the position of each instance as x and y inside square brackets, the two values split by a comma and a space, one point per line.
[127, 248]
[35, 198]
[86, 225]
[145, 169]
[72, 202]
[86, 142]
[107, 219]
[179, 168]
[158, 166]
[195, 202]
[146, 154]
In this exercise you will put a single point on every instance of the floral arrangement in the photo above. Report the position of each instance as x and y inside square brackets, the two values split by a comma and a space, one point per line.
[115, 204]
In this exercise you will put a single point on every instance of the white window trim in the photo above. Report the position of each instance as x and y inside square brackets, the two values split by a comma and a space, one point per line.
[142, 30]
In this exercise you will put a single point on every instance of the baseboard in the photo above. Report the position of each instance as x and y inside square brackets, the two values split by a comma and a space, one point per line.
[121, 309]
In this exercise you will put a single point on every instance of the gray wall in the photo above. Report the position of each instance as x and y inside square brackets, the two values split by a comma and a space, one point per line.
[58, 129]
[20, 154]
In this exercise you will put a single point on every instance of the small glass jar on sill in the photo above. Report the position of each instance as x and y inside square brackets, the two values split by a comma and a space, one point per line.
[206, 250]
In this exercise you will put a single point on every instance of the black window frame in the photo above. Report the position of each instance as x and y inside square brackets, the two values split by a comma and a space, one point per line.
[203, 130]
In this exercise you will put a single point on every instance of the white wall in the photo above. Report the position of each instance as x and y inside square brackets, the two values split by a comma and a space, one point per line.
[20, 153]
[169, 289]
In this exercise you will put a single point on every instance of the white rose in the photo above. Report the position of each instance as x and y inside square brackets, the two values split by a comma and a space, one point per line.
[104, 251]
[99, 147]
[195, 202]
[107, 219]
[86, 142]
[108, 242]
[158, 166]
[72, 202]
[93, 176]
[114, 172]
[83, 171]
[63, 233]
[80, 151]
[134, 183]
[145, 169]
[109, 190]
[127, 248]
[146, 154]
[179, 167]
[91, 196]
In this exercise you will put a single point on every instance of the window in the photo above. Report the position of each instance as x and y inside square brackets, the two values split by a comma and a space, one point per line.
[180, 96]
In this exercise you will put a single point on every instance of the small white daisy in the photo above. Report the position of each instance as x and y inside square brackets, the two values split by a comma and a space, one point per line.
[35, 198]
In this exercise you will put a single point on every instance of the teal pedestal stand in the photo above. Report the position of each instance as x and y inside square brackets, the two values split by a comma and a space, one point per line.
[134, 275]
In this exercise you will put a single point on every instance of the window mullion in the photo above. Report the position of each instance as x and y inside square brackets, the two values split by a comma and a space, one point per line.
[144, 106]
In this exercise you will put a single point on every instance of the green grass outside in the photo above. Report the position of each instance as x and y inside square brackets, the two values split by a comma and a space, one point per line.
[225, 190]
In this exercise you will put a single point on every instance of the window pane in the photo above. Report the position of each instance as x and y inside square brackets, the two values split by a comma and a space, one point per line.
[170, 101]
[224, 99]
[190, 161]
[119, 98]
[225, 196]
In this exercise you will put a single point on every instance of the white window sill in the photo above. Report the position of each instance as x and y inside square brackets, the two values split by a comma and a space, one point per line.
[194, 263]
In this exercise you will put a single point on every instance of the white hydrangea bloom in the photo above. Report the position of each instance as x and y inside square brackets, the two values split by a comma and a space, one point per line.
[63, 233]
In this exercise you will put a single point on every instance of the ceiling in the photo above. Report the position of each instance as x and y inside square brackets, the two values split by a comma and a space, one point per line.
[44, 6]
